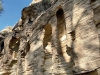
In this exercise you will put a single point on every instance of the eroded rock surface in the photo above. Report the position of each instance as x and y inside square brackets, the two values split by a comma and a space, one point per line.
[54, 37]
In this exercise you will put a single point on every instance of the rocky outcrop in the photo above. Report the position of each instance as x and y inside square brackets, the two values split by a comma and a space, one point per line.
[54, 37]
[3, 35]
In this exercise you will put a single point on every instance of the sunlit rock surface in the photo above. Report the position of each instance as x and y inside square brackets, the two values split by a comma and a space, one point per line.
[53, 37]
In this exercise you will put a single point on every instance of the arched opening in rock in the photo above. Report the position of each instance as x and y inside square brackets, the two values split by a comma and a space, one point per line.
[61, 23]
[14, 44]
[1, 46]
[61, 26]
[47, 35]
[14, 47]
[30, 21]
[63, 56]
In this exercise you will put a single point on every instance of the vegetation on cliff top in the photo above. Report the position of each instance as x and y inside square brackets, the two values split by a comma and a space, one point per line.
[1, 7]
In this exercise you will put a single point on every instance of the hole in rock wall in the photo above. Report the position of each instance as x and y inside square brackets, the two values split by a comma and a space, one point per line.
[30, 21]
[60, 23]
[1, 45]
[14, 44]
[61, 56]
[61, 26]
[91, 1]
[47, 35]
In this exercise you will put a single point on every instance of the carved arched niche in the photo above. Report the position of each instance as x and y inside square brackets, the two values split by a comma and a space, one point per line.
[59, 42]
[47, 35]
[61, 27]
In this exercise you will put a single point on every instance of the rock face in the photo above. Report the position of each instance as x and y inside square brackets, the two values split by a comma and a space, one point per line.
[54, 37]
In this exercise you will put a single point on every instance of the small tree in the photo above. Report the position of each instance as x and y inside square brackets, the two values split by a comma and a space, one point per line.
[1, 7]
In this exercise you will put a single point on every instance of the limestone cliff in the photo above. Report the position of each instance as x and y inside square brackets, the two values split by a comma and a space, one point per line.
[54, 37]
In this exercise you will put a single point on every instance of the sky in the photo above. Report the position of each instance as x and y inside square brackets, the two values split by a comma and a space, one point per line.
[12, 12]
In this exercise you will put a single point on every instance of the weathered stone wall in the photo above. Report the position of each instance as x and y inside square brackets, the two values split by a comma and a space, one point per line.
[54, 37]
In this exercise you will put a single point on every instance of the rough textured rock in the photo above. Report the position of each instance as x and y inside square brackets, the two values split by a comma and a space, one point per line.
[54, 37]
